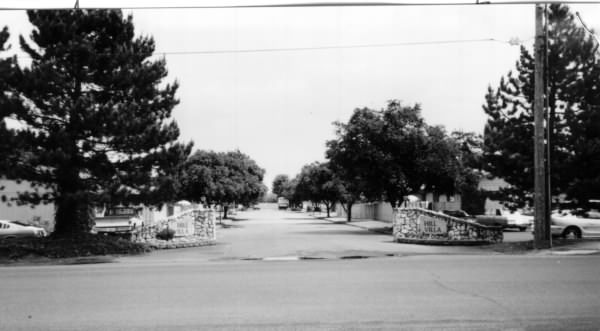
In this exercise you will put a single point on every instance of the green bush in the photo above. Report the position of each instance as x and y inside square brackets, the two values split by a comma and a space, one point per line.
[165, 234]
[85, 245]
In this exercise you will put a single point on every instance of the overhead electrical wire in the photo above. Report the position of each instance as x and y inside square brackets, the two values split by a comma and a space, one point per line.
[292, 49]
[311, 4]
[511, 42]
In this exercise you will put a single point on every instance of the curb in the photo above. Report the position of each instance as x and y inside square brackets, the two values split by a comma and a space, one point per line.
[183, 244]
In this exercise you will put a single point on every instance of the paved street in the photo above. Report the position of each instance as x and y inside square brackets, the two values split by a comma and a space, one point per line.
[220, 288]
[270, 233]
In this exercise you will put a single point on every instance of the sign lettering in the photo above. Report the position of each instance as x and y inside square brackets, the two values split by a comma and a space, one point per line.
[431, 225]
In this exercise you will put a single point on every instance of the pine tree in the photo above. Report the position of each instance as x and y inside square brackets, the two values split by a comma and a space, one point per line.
[95, 118]
[574, 81]
[8, 104]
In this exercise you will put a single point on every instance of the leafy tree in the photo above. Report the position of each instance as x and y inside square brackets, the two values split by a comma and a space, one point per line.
[317, 183]
[290, 192]
[574, 79]
[392, 153]
[95, 121]
[354, 158]
[279, 184]
[222, 178]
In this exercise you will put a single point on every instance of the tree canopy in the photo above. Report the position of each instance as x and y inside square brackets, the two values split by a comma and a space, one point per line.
[8, 104]
[222, 178]
[280, 183]
[392, 153]
[94, 117]
[318, 183]
[574, 80]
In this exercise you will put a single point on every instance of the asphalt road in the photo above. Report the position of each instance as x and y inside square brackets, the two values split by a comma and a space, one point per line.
[418, 292]
[199, 289]
[269, 233]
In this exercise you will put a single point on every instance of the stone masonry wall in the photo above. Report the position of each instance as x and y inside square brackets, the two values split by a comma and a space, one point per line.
[417, 225]
[195, 225]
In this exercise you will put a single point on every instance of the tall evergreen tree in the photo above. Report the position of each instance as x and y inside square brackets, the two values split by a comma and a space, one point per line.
[574, 82]
[95, 118]
[9, 103]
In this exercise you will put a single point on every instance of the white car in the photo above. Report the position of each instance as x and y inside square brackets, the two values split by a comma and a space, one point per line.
[15, 229]
[567, 225]
[118, 220]
[518, 220]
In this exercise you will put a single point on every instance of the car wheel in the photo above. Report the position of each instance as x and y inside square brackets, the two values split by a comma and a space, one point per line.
[571, 233]
[523, 228]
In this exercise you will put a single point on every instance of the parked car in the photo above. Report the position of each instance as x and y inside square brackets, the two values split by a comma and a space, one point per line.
[16, 229]
[506, 219]
[518, 219]
[575, 225]
[458, 214]
[118, 221]
[283, 203]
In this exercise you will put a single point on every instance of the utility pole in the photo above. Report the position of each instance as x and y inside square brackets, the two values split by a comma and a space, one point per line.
[542, 219]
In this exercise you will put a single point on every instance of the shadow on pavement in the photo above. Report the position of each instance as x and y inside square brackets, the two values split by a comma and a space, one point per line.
[339, 232]
[299, 219]
[320, 223]
[238, 219]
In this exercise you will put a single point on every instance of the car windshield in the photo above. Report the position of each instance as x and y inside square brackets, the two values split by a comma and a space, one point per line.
[19, 223]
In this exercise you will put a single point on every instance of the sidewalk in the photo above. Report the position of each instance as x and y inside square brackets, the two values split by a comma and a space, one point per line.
[560, 247]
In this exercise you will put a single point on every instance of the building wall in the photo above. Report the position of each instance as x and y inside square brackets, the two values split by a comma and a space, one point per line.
[492, 185]
[381, 211]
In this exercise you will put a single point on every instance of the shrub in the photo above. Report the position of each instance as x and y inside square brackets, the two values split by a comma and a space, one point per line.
[85, 245]
[165, 234]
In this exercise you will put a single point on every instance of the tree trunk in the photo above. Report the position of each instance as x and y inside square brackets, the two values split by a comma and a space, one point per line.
[327, 206]
[349, 212]
[225, 208]
[73, 216]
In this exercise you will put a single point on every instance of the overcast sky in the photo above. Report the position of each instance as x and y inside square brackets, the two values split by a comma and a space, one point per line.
[278, 106]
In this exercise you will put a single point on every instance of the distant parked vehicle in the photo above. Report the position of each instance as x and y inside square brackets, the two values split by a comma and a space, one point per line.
[503, 219]
[506, 219]
[119, 221]
[572, 226]
[16, 229]
[458, 214]
[283, 203]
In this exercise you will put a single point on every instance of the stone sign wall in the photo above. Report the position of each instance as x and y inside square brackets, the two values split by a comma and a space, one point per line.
[417, 225]
[198, 223]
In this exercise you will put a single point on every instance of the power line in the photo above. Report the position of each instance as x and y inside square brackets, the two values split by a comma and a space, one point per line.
[316, 4]
[292, 49]
[511, 42]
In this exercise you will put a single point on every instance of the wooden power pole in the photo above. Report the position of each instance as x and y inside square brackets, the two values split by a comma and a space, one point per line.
[541, 201]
